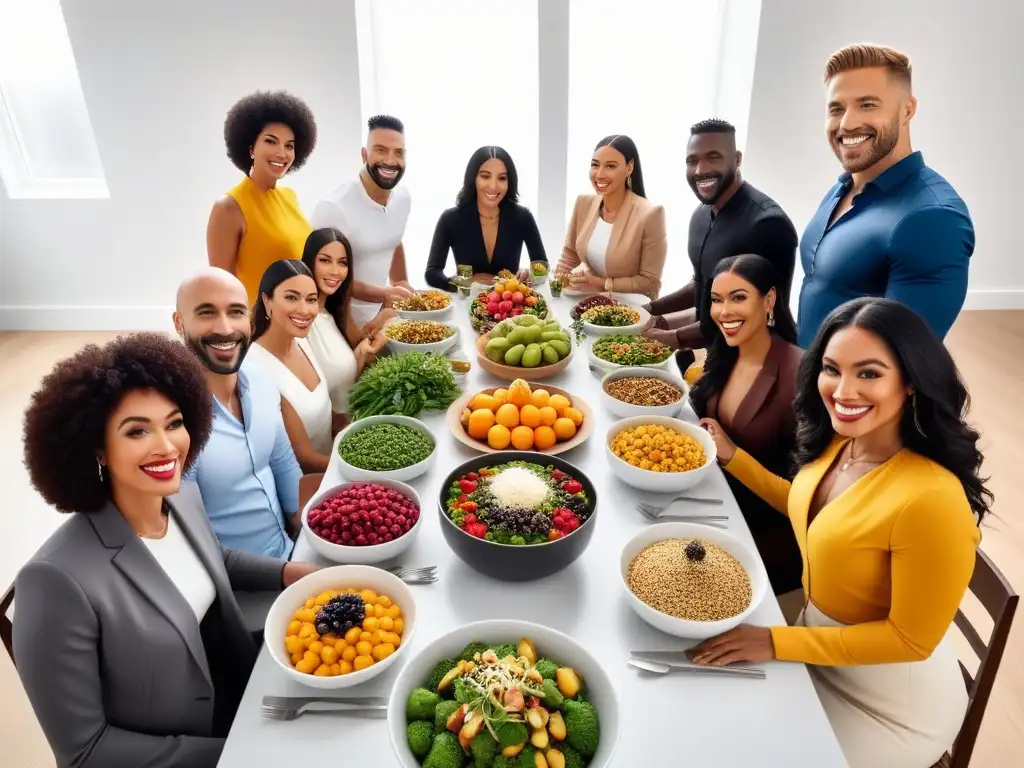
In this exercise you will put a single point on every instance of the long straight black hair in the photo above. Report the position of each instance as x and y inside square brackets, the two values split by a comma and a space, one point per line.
[337, 304]
[933, 423]
[276, 273]
[625, 145]
[721, 359]
[467, 195]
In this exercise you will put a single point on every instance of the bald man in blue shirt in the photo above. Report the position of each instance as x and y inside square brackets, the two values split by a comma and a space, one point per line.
[891, 226]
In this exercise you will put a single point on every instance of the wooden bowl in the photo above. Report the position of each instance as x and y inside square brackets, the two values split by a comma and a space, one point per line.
[513, 372]
[454, 421]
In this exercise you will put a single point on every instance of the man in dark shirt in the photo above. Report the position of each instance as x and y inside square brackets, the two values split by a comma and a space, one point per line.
[892, 226]
[733, 218]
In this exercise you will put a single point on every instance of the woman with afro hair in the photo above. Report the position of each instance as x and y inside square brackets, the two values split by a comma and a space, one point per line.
[267, 134]
[128, 638]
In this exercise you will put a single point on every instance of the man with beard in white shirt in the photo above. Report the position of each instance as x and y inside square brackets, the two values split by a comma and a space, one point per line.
[372, 211]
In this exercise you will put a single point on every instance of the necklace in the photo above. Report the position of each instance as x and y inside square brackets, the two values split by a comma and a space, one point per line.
[159, 534]
[489, 218]
[850, 461]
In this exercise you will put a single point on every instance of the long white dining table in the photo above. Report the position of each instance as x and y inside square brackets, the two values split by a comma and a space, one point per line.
[671, 720]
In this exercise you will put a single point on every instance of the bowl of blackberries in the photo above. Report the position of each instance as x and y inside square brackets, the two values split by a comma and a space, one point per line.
[517, 515]
[362, 523]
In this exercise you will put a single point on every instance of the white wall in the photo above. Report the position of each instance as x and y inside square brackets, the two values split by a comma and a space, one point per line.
[158, 79]
[967, 62]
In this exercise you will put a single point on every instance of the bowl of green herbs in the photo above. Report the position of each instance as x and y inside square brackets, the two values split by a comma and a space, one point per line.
[622, 350]
[386, 447]
[406, 384]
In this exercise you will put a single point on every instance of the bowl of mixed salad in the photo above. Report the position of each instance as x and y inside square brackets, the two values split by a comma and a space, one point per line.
[424, 305]
[517, 517]
[625, 350]
[606, 320]
[504, 694]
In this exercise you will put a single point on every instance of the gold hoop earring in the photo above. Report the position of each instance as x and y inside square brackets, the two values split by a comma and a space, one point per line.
[629, 181]
[913, 406]
[99, 468]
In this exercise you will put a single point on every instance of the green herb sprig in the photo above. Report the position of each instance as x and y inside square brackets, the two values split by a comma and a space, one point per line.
[405, 384]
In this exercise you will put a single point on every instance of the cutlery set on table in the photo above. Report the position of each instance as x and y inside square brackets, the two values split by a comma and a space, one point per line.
[663, 662]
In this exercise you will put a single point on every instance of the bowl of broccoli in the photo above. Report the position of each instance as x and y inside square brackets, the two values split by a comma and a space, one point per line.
[496, 694]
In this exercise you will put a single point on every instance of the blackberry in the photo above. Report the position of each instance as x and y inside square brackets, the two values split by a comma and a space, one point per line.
[540, 523]
[515, 520]
[694, 551]
[340, 614]
[577, 505]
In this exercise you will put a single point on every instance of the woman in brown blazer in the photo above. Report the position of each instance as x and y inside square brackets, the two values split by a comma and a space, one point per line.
[616, 239]
[747, 391]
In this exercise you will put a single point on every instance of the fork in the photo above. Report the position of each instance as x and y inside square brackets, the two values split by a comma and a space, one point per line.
[425, 575]
[657, 510]
[291, 707]
[652, 513]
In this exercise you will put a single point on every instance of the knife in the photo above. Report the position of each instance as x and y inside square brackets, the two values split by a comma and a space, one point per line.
[677, 659]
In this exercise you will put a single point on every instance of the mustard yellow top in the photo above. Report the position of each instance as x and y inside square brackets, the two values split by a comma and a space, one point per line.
[274, 229]
[891, 556]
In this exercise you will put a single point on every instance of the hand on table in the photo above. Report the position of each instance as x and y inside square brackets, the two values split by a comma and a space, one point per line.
[294, 571]
[742, 644]
[584, 282]
[668, 338]
[724, 445]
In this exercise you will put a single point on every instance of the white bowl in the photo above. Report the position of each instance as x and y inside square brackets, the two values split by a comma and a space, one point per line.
[625, 410]
[660, 482]
[436, 347]
[372, 553]
[667, 364]
[425, 314]
[697, 630]
[603, 330]
[405, 473]
[550, 644]
[337, 577]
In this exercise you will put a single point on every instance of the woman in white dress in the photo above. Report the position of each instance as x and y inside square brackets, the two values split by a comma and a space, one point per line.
[283, 314]
[339, 346]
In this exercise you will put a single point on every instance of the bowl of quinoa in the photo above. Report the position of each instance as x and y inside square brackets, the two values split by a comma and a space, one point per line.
[425, 305]
[420, 336]
[690, 580]
[387, 447]
[638, 391]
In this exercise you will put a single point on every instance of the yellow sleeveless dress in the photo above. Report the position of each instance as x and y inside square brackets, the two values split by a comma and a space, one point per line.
[274, 229]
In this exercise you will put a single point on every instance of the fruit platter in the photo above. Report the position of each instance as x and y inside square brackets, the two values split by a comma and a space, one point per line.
[517, 517]
[424, 305]
[508, 297]
[547, 420]
[525, 347]
[502, 705]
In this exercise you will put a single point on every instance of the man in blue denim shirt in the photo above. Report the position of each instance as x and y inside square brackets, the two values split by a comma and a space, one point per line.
[247, 474]
[892, 226]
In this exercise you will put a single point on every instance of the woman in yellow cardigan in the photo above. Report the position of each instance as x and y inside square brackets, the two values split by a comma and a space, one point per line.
[885, 508]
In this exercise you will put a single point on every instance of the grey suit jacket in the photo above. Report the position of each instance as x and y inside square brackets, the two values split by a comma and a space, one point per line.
[110, 652]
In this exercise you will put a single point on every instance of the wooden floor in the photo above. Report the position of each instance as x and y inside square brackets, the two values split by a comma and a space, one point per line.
[988, 346]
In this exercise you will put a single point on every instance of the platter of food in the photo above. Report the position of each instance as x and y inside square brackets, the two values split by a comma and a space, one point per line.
[507, 297]
[424, 305]
[659, 453]
[420, 336]
[548, 420]
[613, 319]
[640, 391]
[623, 350]
[525, 347]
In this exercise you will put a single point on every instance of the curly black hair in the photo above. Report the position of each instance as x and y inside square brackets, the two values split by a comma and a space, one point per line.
[252, 113]
[712, 125]
[65, 424]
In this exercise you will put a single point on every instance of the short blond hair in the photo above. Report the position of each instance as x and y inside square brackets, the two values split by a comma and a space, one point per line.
[865, 55]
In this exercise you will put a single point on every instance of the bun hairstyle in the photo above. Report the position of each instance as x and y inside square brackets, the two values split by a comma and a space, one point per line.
[628, 149]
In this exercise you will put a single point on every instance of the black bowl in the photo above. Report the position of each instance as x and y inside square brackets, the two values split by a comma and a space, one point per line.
[509, 562]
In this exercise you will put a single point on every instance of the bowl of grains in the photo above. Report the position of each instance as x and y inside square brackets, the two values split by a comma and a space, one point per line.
[388, 447]
[615, 318]
[424, 305]
[659, 453]
[628, 392]
[421, 336]
[691, 580]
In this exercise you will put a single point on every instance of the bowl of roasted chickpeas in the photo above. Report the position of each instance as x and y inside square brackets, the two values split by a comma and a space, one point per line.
[340, 626]
[659, 453]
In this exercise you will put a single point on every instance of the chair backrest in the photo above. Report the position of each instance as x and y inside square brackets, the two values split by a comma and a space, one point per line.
[1000, 601]
[6, 627]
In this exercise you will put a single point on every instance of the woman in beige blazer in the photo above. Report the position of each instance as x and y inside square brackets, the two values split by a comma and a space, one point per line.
[616, 239]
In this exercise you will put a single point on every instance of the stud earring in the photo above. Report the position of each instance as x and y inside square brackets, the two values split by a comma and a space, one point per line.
[99, 468]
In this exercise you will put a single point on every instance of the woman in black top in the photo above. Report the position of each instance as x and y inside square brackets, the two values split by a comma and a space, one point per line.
[487, 227]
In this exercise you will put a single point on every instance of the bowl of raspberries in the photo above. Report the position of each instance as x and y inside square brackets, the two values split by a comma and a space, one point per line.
[362, 522]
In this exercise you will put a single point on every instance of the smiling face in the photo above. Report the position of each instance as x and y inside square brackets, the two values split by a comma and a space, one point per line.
[609, 170]
[384, 156]
[869, 114]
[294, 305]
[146, 444]
[861, 383]
[491, 183]
[213, 319]
[738, 308]
[711, 165]
[330, 268]
[273, 151]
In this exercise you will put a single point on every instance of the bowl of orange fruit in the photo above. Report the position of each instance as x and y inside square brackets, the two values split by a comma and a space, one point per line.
[520, 418]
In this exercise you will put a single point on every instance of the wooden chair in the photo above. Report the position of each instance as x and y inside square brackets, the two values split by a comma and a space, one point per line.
[6, 627]
[1000, 601]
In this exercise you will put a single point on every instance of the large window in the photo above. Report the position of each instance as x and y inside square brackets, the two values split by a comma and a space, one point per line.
[460, 74]
[47, 147]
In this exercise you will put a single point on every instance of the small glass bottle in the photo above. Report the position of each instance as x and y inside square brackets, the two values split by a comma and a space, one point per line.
[464, 281]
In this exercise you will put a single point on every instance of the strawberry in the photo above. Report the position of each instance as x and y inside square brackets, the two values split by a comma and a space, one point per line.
[468, 486]
[473, 476]
[470, 519]
[463, 497]
[557, 474]
[569, 486]
[468, 506]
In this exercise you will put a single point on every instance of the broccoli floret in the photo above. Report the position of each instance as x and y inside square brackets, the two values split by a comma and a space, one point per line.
[512, 734]
[420, 735]
[573, 759]
[444, 666]
[421, 705]
[517, 541]
[472, 649]
[552, 697]
[527, 758]
[547, 668]
[501, 651]
[503, 762]
[443, 712]
[465, 692]
[581, 726]
[445, 752]
[483, 750]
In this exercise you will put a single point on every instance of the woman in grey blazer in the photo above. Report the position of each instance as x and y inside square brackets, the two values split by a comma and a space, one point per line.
[127, 636]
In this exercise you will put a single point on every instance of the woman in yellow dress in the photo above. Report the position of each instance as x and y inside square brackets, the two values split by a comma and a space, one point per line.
[885, 508]
[267, 134]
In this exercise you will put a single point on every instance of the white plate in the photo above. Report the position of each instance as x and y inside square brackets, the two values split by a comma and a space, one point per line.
[660, 482]
[601, 330]
[624, 410]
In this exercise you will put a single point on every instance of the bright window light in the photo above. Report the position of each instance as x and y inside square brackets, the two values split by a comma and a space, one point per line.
[47, 146]
[460, 74]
